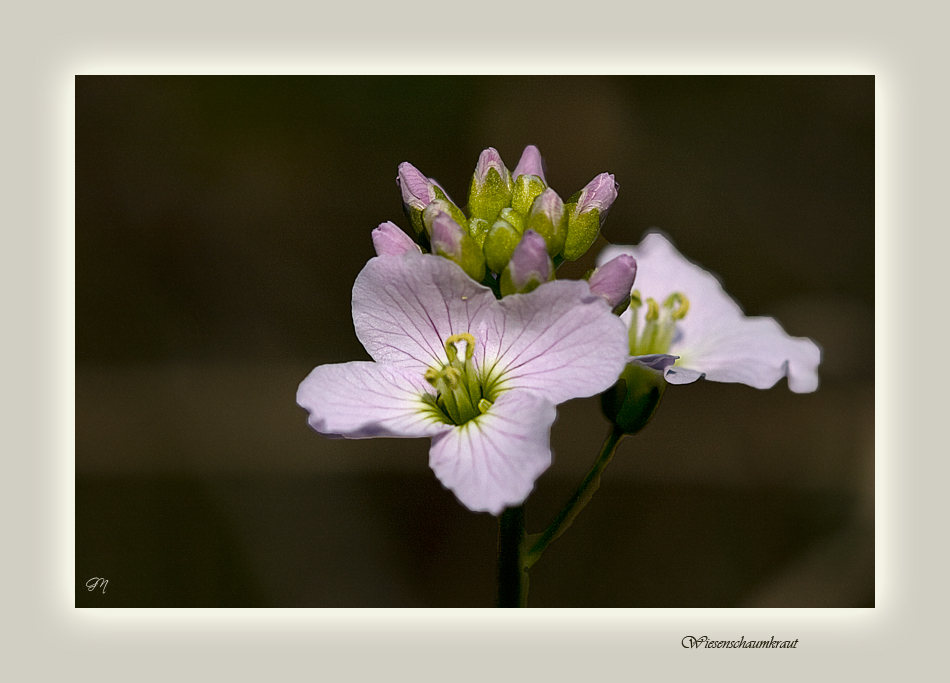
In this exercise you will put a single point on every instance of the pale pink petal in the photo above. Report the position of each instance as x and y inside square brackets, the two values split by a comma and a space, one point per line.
[753, 351]
[560, 341]
[404, 308]
[677, 374]
[715, 338]
[360, 400]
[492, 462]
[662, 270]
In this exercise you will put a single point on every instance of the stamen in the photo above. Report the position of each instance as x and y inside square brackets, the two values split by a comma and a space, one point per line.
[635, 300]
[455, 339]
[681, 303]
[447, 400]
[452, 376]
[461, 391]
[653, 310]
[634, 332]
[659, 325]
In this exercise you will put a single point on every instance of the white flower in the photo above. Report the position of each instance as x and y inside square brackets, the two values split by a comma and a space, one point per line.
[682, 310]
[480, 376]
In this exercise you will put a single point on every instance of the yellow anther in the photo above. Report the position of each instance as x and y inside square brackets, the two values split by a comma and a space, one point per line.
[460, 392]
[679, 305]
[455, 339]
[452, 376]
[653, 310]
[635, 300]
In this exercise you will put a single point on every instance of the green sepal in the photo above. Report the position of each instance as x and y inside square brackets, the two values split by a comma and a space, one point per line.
[554, 233]
[582, 231]
[500, 245]
[508, 286]
[415, 220]
[478, 228]
[515, 218]
[622, 307]
[471, 259]
[631, 403]
[527, 188]
[416, 216]
[455, 212]
[433, 208]
[492, 197]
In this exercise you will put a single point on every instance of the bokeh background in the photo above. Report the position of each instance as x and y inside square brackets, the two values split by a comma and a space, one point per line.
[220, 223]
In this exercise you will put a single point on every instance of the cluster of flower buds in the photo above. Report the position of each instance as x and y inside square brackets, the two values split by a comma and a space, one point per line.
[514, 231]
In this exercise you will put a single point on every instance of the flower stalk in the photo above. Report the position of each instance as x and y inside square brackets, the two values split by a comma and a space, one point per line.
[518, 552]
[512, 572]
[537, 543]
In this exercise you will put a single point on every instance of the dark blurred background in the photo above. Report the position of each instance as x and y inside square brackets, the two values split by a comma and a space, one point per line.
[220, 223]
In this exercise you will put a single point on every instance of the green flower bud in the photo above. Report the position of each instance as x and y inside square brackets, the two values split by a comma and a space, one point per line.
[548, 219]
[527, 188]
[582, 232]
[491, 187]
[632, 401]
[586, 212]
[500, 245]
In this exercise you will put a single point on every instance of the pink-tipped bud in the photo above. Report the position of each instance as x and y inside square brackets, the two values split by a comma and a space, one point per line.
[446, 234]
[417, 190]
[531, 164]
[547, 217]
[586, 214]
[529, 267]
[614, 279]
[490, 190]
[490, 159]
[600, 193]
[454, 243]
[390, 240]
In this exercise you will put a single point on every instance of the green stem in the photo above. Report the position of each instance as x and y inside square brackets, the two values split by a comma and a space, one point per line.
[512, 577]
[580, 499]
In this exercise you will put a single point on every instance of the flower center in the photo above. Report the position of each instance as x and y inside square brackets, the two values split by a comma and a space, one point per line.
[461, 392]
[659, 325]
